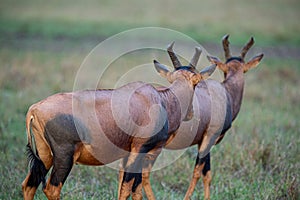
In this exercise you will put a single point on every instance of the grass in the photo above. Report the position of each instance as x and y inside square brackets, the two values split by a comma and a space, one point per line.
[258, 156]
[42, 46]
[204, 21]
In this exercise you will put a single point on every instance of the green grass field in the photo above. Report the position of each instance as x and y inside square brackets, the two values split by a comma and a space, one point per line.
[43, 44]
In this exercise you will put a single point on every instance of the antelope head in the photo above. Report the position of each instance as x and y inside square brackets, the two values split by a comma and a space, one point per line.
[182, 75]
[234, 64]
[188, 72]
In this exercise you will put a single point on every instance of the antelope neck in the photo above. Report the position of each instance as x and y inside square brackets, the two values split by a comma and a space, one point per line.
[177, 99]
[234, 85]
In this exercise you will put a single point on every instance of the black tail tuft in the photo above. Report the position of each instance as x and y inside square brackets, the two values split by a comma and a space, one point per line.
[38, 170]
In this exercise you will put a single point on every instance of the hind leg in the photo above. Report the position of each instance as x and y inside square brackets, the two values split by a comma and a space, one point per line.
[31, 183]
[62, 165]
[52, 191]
[56, 181]
[28, 191]
[39, 168]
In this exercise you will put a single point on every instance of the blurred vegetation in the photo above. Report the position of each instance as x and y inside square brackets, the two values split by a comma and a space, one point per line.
[42, 45]
[272, 22]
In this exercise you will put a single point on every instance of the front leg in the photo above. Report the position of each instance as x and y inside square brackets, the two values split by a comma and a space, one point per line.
[147, 166]
[136, 164]
[202, 167]
[121, 174]
[130, 177]
[206, 176]
[138, 161]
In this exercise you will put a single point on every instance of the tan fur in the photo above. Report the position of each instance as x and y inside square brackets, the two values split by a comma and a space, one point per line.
[234, 84]
[82, 155]
[105, 145]
[209, 104]
[116, 123]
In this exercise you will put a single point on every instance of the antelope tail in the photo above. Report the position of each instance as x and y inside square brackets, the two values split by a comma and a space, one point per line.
[30, 137]
[36, 166]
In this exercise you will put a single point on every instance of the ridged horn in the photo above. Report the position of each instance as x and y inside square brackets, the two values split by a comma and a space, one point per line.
[226, 46]
[195, 57]
[247, 47]
[174, 59]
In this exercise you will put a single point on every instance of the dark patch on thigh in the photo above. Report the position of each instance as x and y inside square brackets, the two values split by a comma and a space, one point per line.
[62, 133]
[65, 128]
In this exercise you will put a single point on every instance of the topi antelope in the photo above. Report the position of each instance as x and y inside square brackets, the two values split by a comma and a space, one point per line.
[97, 127]
[215, 106]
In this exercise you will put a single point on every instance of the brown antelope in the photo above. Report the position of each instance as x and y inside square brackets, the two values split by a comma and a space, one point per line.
[215, 106]
[97, 127]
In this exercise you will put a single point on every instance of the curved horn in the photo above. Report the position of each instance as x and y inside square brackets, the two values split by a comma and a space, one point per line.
[247, 47]
[174, 59]
[226, 46]
[195, 58]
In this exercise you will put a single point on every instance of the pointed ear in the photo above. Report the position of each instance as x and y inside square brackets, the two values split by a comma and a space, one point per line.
[161, 69]
[253, 62]
[207, 71]
[214, 60]
[218, 62]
